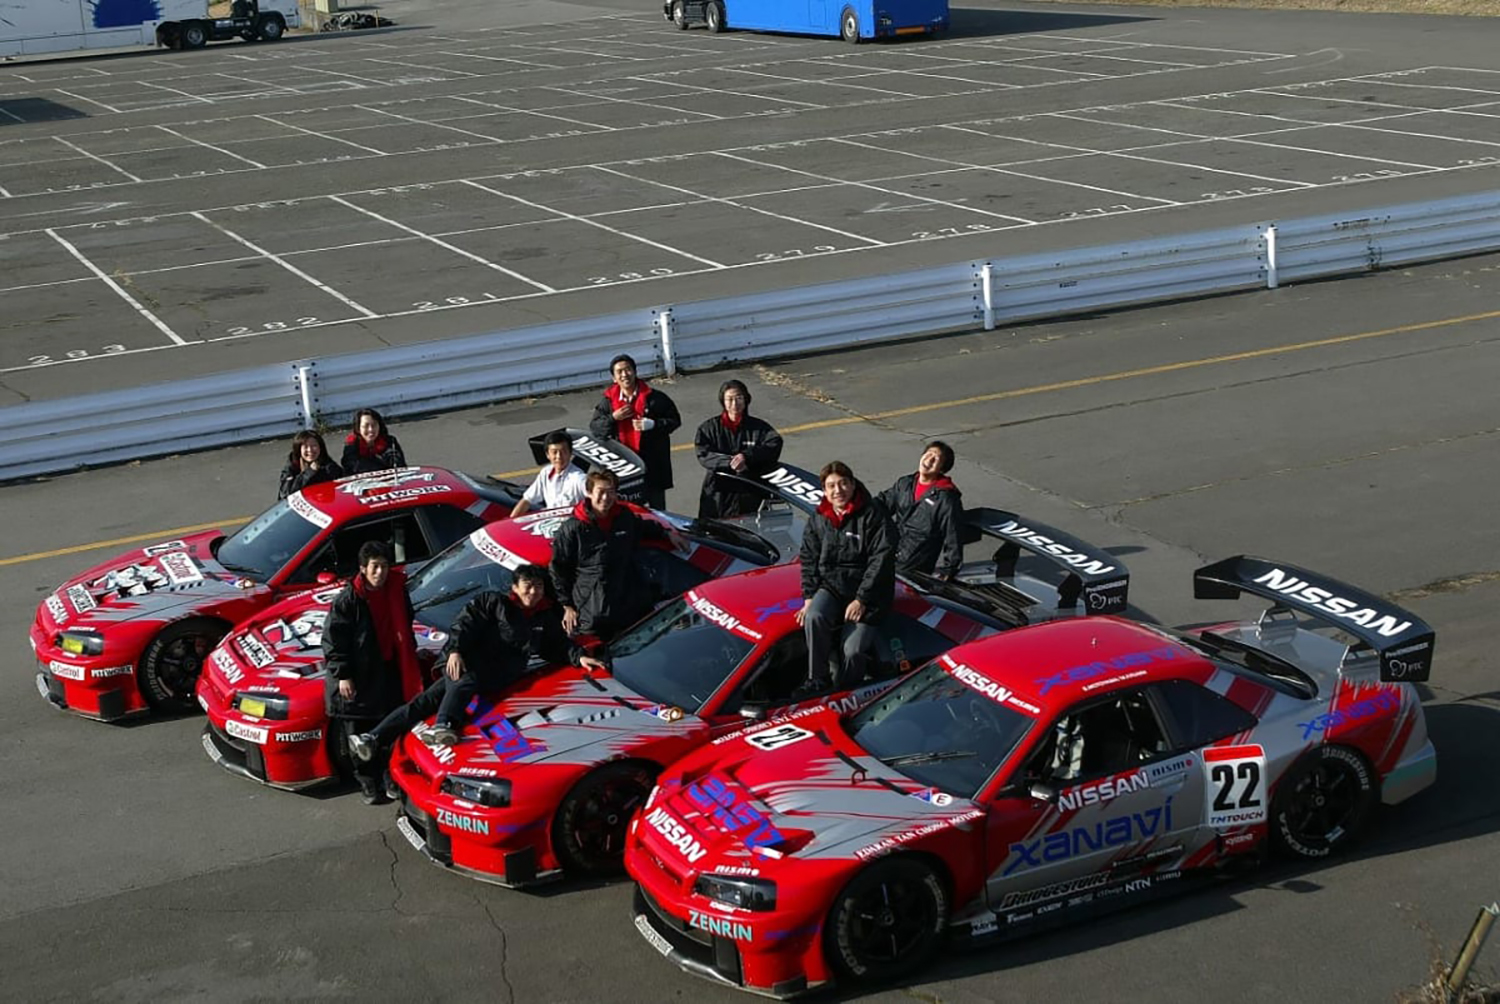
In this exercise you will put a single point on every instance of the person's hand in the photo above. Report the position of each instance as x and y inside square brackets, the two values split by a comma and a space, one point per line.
[570, 619]
[854, 611]
[643, 424]
[589, 662]
[801, 614]
[455, 667]
[737, 462]
[346, 689]
[623, 412]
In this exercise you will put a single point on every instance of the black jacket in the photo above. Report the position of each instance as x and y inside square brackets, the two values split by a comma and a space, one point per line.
[352, 652]
[595, 571]
[855, 560]
[391, 456]
[498, 637]
[716, 446]
[293, 480]
[927, 531]
[656, 443]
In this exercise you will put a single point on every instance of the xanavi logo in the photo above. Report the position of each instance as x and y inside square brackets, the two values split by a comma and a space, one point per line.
[675, 834]
[1129, 828]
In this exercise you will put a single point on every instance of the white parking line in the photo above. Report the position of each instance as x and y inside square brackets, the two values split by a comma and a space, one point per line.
[80, 97]
[156, 322]
[286, 265]
[207, 146]
[92, 156]
[335, 139]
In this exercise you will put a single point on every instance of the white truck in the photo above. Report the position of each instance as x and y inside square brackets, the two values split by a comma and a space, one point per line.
[33, 27]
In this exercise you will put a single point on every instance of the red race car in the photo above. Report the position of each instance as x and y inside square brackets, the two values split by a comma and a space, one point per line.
[1032, 778]
[547, 773]
[132, 634]
[262, 687]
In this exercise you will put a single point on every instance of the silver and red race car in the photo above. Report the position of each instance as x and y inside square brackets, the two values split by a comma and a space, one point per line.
[1031, 778]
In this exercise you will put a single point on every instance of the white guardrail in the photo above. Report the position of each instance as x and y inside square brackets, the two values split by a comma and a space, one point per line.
[50, 436]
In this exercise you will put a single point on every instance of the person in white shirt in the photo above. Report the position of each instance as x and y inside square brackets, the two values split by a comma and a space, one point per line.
[557, 484]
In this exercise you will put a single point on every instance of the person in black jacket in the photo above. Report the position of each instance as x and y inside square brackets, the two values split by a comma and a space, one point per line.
[307, 464]
[371, 654]
[594, 561]
[371, 447]
[491, 644]
[927, 511]
[733, 440]
[848, 578]
[643, 418]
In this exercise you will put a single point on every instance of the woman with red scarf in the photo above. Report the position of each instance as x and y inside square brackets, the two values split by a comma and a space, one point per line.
[736, 441]
[643, 418]
[371, 447]
[371, 655]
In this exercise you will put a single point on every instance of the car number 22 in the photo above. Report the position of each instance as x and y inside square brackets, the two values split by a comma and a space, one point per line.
[1235, 778]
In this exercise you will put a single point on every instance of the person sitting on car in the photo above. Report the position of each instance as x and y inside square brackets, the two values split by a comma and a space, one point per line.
[492, 643]
[594, 560]
[307, 464]
[371, 447]
[643, 418]
[733, 440]
[848, 579]
[559, 483]
[927, 511]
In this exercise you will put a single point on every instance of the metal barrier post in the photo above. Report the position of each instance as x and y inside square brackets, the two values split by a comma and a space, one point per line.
[1454, 984]
[664, 324]
[987, 279]
[304, 386]
[1272, 279]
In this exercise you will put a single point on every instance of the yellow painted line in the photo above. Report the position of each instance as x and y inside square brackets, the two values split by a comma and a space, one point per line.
[916, 409]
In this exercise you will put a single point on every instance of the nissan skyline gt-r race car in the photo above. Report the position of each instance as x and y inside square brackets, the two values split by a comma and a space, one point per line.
[262, 687]
[547, 773]
[1030, 779]
[131, 635]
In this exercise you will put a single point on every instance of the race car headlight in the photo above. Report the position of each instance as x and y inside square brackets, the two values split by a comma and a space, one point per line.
[263, 706]
[81, 642]
[745, 893]
[481, 791]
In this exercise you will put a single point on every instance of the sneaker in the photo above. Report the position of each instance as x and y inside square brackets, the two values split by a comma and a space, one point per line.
[442, 735]
[392, 790]
[362, 746]
[370, 791]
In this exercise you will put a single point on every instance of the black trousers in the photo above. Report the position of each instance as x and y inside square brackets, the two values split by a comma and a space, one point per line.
[411, 714]
[373, 769]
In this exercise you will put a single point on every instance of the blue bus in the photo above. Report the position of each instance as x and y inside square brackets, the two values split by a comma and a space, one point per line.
[853, 20]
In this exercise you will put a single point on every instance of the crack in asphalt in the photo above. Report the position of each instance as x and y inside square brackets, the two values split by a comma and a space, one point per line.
[510, 991]
[1451, 584]
[395, 885]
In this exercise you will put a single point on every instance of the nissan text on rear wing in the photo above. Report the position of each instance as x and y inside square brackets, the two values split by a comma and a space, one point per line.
[1089, 572]
[590, 452]
[1402, 640]
[796, 487]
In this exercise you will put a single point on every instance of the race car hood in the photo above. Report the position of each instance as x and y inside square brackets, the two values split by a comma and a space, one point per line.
[154, 582]
[799, 787]
[559, 716]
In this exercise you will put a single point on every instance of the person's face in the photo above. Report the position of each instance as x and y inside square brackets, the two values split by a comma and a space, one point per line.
[311, 452]
[559, 456]
[931, 464]
[375, 571]
[528, 591]
[734, 404]
[839, 490]
[625, 377]
[368, 428]
[602, 496]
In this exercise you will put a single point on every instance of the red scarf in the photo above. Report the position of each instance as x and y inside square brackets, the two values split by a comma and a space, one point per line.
[374, 449]
[730, 424]
[584, 511]
[625, 431]
[941, 481]
[393, 628]
[825, 508]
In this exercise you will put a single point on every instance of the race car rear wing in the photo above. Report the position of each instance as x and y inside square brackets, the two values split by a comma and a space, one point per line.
[999, 601]
[796, 487]
[1402, 640]
[590, 452]
[1097, 576]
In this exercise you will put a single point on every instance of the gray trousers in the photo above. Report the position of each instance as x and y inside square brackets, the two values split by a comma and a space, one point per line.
[824, 617]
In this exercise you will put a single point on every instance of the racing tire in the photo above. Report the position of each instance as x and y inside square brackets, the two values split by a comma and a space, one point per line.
[170, 666]
[888, 922]
[713, 14]
[679, 15]
[1323, 803]
[849, 26]
[588, 832]
[272, 27]
[193, 34]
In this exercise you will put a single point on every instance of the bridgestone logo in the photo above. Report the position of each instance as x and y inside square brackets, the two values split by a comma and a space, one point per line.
[1054, 891]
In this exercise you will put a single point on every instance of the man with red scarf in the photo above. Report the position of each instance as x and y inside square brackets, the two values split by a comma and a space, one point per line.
[643, 418]
[848, 579]
[733, 440]
[927, 510]
[370, 653]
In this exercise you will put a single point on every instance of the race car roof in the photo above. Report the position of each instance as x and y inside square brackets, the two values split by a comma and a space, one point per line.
[400, 488]
[1052, 665]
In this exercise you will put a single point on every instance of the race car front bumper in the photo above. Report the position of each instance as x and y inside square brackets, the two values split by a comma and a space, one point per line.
[96, 688]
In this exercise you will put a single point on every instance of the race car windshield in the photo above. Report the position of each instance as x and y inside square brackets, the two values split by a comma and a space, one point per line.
[677, 657]
[440, 590]
[939, 732]
[260, 548]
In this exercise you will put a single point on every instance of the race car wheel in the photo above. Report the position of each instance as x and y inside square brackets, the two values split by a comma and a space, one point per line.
[1323, 802]
[887, 922]
[679, 15]
[714, 15]
[588, 832]
[171, 663]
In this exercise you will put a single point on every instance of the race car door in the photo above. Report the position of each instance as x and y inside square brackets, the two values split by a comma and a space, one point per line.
[1104, 798]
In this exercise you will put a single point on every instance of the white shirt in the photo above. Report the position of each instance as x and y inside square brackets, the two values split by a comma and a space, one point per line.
[551, 490]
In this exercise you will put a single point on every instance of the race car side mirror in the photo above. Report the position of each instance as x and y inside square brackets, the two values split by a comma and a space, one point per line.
[327, 578]
[1042, 792]
[752, 712]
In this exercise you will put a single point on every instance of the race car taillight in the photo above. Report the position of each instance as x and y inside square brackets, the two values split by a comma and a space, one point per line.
[271, 706]
[493, 793]
[745, 893]
[80, 642]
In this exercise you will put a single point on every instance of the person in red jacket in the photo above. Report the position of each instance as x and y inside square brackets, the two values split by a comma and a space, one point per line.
[643, 418]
